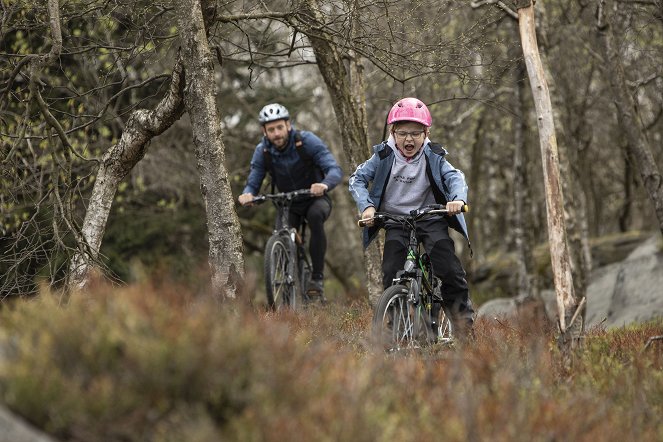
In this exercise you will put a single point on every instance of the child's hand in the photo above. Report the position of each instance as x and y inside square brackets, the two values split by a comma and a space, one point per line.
[368, 213]
[455, 207]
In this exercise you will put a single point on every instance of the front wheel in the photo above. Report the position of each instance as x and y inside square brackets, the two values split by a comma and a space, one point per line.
[280, 283]
[441, 324]
[397, 323]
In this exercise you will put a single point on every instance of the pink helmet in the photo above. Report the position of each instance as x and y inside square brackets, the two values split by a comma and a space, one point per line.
[410, 109]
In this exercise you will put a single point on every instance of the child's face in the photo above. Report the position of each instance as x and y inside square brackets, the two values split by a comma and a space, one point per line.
[409, 137]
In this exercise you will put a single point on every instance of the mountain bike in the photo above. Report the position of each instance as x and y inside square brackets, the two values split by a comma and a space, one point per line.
[411, 312]
[287, 264]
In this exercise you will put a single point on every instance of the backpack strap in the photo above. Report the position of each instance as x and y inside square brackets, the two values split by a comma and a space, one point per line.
[385, 151]
[437, 148]
[298, 141]
[305, 157]
[269, 165]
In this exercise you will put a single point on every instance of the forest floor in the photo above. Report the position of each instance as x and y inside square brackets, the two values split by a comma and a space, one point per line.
[152, 362]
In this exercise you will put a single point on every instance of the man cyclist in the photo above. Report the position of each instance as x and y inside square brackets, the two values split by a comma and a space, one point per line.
[296, 160]
[407, 172]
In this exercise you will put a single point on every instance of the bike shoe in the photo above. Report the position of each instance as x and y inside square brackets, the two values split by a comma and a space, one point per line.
[315, 287]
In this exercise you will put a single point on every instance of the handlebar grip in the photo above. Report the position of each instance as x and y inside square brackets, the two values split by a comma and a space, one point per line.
[465, 208]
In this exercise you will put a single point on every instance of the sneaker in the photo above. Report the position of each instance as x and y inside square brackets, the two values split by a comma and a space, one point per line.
[462, 320]
[315, 287]
[463, 330]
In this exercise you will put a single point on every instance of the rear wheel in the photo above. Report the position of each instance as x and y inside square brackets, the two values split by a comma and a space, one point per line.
[280, 283]
[304, 275]
[442, 327]
[398, 324]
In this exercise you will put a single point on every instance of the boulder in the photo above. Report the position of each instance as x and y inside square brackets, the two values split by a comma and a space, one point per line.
[619, 293]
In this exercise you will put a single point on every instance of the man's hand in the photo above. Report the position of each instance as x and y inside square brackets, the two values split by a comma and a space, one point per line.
[368, 213]
[454, 207]
[245, 199]
[318, 189]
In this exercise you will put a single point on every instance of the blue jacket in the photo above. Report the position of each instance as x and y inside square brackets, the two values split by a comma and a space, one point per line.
[291, 172]
[449, 183]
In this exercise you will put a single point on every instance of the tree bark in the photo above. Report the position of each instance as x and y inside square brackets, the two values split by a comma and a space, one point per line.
[575, 208]
[117, 162]
[345, 86]
[559, 253]
[627, 115]
[526, 274]
[225, 245]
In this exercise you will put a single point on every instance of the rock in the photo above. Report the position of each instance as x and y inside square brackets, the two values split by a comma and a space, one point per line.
[619, 294]
[15, 429]
[637, 293]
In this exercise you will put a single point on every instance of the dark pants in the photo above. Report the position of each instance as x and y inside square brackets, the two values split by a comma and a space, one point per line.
[434, 235]
[316, 211]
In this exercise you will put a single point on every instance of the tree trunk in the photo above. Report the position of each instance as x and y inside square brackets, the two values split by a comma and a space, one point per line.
[627, 115]
[526, 273]
[225, 245]
[559, 254]
[345, 86]
[117, 162]
[575, 209]
[476, 184]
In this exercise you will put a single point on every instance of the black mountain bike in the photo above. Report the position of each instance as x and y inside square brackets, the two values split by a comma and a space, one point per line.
[287, 264]
[411, 312]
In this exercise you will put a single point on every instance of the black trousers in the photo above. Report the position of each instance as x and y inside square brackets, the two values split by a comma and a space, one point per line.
[434, 235]
[316, 211]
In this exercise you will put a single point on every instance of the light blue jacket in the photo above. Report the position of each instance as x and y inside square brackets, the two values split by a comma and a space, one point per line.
[449, 183]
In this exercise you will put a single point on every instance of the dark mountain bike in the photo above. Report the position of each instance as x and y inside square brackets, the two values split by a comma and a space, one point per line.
[411, 313]
[287, 264]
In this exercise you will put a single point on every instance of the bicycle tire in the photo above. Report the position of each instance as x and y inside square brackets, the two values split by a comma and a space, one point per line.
[280, 284]
[397, 324]
[443, 332]
[441, 325]
[304, 276]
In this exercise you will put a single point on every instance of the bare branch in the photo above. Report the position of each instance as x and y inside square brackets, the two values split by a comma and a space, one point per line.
[50, 119]
[652, 339]
[500, 4]
[240, 17]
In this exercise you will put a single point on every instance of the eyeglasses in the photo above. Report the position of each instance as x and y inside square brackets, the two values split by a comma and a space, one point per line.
[404, 134]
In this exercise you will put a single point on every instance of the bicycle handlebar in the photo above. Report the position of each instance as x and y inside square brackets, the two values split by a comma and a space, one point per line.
[283, 196]
[417, 214]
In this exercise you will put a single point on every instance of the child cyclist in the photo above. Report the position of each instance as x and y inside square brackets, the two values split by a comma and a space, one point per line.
[407, 172]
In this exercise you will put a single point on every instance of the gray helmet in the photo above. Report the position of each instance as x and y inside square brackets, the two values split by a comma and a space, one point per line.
[273, 112]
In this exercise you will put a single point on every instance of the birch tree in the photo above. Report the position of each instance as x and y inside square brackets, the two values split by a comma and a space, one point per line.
[568, 309]
[225, 245]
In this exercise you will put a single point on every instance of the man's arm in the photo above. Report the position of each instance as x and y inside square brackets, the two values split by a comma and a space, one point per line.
[255, 178]
[324, 159]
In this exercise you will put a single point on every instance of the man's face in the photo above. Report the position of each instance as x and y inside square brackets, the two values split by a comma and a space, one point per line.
[409, 137]
[277, 132]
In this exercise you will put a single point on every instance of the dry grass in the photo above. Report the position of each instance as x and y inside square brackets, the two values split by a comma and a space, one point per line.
[154, 364]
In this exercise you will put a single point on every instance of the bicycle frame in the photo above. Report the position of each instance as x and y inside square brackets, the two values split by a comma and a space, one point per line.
[408, 325]
[295, 274]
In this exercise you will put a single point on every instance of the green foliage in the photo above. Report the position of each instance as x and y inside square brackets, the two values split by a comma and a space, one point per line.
[155, 239]
[153, 364]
